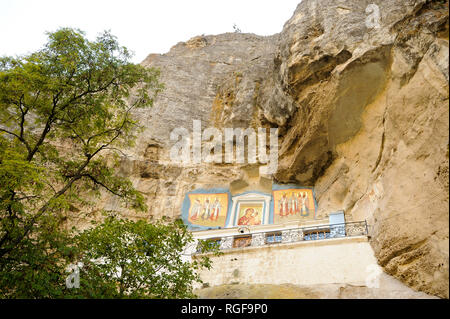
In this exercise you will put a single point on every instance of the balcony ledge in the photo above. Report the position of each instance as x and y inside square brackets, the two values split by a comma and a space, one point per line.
[290, 245]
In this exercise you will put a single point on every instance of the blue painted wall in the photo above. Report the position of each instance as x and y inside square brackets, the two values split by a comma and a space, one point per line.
[336, 220]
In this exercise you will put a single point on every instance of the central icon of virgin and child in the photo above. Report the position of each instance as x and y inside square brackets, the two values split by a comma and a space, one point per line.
[296, 204]
[207, 211]
[251, 217]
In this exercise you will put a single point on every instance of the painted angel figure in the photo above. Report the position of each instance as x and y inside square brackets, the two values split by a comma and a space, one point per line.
[283, 205]
[298, 201]
[215, 210]
[304, 200]
[294, 205]
[196, 209]
[206, 209]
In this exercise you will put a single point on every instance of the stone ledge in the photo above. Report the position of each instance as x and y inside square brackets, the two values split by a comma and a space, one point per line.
[323, 242]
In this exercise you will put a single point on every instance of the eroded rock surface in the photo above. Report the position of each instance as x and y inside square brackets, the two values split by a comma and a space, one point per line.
[388, 288]
[362, 113]
[380, 117]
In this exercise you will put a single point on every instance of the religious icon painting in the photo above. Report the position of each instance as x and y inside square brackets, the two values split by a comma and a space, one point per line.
[242, 241]
[208, 209]
[250, 214]
[293, 204]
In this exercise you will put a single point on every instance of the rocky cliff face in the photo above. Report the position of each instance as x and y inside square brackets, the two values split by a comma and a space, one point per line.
[361, 104]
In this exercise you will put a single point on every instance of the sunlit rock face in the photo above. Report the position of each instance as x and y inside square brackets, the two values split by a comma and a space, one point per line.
[361, 104]
[214, 79]
[388, 289]
[371, 127]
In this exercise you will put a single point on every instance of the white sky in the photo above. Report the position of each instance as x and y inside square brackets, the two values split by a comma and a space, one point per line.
[142, 26]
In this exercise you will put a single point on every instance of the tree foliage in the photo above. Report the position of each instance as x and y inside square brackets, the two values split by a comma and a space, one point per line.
[119, 258]
[66, 111]
[137, 260]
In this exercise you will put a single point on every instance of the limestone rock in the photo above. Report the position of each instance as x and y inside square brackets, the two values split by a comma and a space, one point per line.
[389, 289]
[362, 111]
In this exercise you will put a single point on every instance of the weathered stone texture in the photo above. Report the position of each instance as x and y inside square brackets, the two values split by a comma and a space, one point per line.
[362, 114]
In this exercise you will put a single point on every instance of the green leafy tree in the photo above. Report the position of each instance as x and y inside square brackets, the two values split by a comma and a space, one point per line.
[66, 111]
[37, 267]
[137, 260]
[120, 259]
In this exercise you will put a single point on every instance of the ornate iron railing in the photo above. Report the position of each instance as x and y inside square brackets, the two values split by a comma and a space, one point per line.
[322, 232]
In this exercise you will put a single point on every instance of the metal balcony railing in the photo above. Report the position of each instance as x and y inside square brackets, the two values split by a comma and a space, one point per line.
[321, 232]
